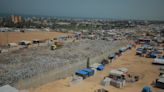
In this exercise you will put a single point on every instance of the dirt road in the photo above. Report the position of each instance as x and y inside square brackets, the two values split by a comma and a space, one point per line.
[138, 65]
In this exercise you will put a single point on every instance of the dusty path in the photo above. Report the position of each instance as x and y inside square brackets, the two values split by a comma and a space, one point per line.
[135, 64]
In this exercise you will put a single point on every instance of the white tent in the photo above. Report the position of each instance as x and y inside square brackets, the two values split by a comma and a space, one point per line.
[12, 44]
[158, 61]
[8, 88]
[162, 68]
[116, 73]
[95, 65]
[123, 69]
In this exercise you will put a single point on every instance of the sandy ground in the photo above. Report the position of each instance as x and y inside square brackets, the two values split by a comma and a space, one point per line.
[138, 65]
[18, 36]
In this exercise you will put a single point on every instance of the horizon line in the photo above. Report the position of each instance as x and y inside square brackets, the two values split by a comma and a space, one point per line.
[73, 17]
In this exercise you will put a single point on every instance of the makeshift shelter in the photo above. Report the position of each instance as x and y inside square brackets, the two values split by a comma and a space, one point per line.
[8, 88]
[143, 41]
[162, 76]
[101, 90]
[82, 74]
[152, 55]
[162, 68]
[118, 83]
[100, 67]
[139, 49]
[76, 79]
[104, 62]
[129, 46]
[95, 65]
[162, 57]
[123, 69]
[106, 81]
[115, 73]
[112, 56]
[158, 61]
[95, 70]
[37, 41]
[123, 49]
[23, 42]
[12, 45]
[90, 72]
[146, 89]
[62, 37]
[161, 72]
[160, 83]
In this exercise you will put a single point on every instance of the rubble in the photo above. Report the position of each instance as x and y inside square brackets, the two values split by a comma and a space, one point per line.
[33, 61]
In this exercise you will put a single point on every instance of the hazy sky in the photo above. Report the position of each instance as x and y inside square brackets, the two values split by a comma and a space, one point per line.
[118, 9]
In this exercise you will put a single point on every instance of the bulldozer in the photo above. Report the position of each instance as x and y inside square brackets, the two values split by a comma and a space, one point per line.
[56, 45]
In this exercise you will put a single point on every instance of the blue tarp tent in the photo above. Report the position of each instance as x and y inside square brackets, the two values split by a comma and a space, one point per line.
[81, 72]
[146, 89]
[89, 71]
[153, 55]
[100, 67]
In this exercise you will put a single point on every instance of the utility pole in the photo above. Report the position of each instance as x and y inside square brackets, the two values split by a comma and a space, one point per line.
[88, 62]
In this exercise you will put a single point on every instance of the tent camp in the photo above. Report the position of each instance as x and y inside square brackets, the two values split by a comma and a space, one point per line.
[8, 88]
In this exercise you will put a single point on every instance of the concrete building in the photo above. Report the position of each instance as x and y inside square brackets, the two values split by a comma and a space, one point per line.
[16, 19]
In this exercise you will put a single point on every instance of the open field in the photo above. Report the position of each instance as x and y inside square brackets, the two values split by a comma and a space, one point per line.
[8, 37]
[138, 65]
